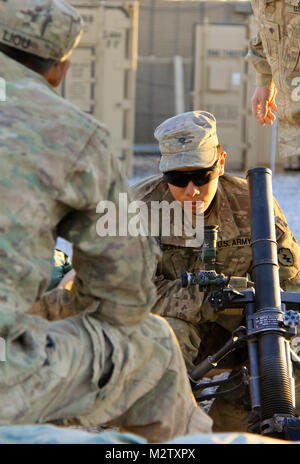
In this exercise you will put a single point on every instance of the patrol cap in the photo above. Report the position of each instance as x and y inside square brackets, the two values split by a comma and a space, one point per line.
[50, 29]
[187, 140]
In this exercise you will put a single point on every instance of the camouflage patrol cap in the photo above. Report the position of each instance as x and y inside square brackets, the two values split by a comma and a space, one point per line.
[187, 140]
[50, 29]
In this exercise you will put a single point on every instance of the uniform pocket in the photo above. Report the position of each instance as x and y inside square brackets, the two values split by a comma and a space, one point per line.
[186, 260]
[174, 260]
[270, 34]
[235, 257]
[291, 43]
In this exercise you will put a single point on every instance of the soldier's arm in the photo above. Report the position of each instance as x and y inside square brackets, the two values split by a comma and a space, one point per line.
[288, 251]
[257, 57]
[113, 273]
[182, 309]
[263, 99]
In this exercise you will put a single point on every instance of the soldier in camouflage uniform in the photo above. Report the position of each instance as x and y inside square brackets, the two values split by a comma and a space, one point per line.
[108, 360]
[275, 54]
[189, 142]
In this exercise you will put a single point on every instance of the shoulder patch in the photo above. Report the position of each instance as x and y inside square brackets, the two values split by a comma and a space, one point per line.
[280, 227]
[285, 257]
[280, 223]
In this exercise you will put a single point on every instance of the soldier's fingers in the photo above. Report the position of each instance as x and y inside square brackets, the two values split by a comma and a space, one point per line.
[264, 107]
[271, 115]
[260, 119]
[270, 118]
[255, 107]
[269, 121]
[274, 92]
[273, 106]
[256, 111]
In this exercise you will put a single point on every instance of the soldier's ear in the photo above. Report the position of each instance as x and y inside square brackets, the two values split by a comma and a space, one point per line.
[57, 73]
[222, 158]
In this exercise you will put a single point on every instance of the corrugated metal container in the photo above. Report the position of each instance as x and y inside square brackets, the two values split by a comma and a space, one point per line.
[102, 78]
[223, 85]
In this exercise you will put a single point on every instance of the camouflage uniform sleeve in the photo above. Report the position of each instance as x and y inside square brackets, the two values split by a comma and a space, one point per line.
[257, 57]
[288, 253]
[181, 308]
[114, 274]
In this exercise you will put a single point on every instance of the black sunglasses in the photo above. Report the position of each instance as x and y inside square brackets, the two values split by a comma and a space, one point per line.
[198, 177]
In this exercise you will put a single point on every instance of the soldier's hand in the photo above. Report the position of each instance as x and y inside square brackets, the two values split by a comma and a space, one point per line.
[263, 102]
[67, 280]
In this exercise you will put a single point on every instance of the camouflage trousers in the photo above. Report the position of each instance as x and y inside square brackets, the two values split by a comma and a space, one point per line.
[82, 367]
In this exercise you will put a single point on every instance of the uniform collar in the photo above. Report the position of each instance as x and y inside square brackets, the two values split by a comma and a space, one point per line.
[12, 70]
[227, 225]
